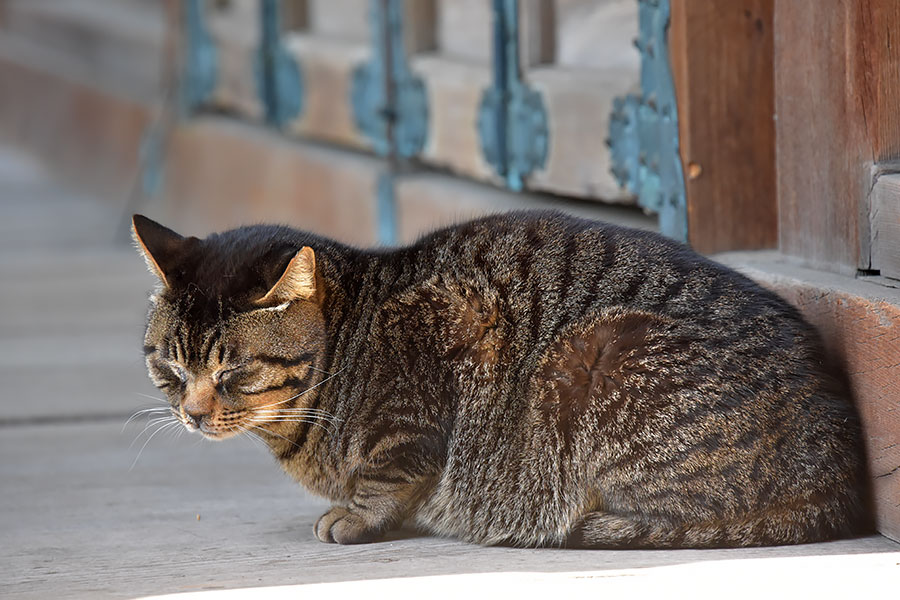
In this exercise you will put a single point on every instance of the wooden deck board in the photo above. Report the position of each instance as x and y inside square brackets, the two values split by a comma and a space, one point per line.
[78, 522]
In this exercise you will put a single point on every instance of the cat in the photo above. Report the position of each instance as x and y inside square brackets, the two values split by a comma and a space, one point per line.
[528, 379]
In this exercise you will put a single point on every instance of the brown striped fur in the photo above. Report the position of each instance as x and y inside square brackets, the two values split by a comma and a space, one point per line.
[530, 379]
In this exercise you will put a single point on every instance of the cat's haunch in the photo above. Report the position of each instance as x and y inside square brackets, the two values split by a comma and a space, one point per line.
[530, 379]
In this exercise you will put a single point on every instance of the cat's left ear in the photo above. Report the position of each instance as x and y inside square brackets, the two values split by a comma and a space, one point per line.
[298, 282]
[160, 246]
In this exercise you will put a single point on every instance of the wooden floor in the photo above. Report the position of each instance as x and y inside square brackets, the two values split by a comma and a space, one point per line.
[93, 509]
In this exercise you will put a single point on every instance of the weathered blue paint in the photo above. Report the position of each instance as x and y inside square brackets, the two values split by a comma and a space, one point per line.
[643, 130]
[279, 81]
[200, 62]
[405, 106]
[512, 119]
[386, 209]
[151, 157]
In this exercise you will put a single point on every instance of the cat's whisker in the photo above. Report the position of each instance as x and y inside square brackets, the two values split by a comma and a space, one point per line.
[300, 412]
[144, 412]
[264, 419]
[316, 411]
[140, 434]
[331, 431]
[164, 401]
[150, 424]
[306, 391]
[256, 439]
[152, 435]
[275, 434]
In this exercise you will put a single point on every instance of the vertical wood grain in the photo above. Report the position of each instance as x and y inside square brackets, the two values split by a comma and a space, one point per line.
[837, 83]
[721, 55]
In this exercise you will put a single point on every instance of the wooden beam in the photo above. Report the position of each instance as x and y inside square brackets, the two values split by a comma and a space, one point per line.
[721, 55]
[837, 82]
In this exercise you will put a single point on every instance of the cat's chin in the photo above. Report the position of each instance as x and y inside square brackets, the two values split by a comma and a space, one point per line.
[216, 436]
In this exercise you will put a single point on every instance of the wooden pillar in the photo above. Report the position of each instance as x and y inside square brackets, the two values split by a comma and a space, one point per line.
[837, 83]
[721, 55]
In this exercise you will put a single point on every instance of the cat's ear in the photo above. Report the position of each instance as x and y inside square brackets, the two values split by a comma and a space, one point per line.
[298, 282]
[160, 246]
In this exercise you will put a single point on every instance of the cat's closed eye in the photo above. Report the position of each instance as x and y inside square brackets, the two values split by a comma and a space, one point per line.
[223, 376]
[168, 374]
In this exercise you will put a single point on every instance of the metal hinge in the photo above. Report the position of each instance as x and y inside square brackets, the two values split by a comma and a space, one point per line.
[198, 80]
[643, 130]
[404, 107]
[512, 119]
[279, 81]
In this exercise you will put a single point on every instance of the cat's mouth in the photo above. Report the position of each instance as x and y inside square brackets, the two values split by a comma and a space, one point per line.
[216, 435]
[208, 431]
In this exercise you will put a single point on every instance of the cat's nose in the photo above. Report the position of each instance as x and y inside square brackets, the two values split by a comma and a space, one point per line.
[198, 404]
[194, 420]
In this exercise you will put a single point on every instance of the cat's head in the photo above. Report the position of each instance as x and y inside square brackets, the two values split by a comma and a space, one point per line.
[235, 334]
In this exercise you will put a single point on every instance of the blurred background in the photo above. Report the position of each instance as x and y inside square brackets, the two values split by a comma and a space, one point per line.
[762, 132]
[367, 121]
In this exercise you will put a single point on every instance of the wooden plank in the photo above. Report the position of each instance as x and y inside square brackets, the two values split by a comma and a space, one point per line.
[884, 216]
[328, 66]
[454, 91]
[340, 19]
[90, 138]
[837, 82]
[419, 26]
[235, 29]
[537, 32]
[255, 529]
[104, 43]
[426, 201]
[350, 20]
[878, 66]
[221, 173]
[721, 56]
[596, 34]
[464, 29]
[579, 102]
[294, 15]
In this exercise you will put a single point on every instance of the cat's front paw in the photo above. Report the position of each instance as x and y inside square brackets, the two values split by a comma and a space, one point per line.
[342, 526]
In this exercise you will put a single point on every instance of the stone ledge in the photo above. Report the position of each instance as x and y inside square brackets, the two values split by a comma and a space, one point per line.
[860, 323]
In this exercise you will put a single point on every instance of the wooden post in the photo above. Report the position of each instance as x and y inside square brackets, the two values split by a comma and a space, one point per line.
[721, 55]
[837, 82]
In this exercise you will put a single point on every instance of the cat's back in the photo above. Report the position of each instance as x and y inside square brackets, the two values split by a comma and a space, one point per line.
[548, 267]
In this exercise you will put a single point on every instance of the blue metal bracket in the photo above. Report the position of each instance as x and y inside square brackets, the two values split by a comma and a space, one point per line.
[403, 108]
[643, 130]
[512, 119]
[386, 208]
[200, 62]
[279, 81]
[151, 157]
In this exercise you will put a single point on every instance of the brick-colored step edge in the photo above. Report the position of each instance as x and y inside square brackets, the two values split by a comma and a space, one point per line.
[860, 323]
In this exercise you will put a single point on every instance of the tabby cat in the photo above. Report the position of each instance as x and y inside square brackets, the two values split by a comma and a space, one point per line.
[530, 379]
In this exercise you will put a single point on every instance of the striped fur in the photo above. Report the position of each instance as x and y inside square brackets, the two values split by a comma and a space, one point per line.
[530, 379]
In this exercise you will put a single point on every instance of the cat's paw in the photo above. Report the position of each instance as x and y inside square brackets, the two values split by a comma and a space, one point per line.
[340, 525]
